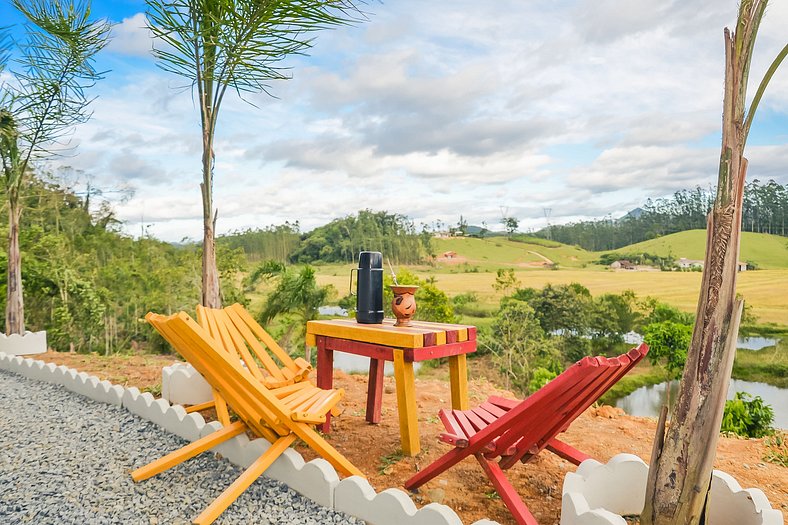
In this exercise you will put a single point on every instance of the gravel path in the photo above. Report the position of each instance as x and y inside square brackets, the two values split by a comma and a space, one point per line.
[65, 459]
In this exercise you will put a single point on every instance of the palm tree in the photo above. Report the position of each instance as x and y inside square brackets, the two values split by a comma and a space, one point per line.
[237, 45]
[46, 101]
[683, 458]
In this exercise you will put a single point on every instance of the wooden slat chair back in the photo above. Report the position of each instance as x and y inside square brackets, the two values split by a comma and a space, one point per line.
[240, 332]
[245, 339]
[500, 432]
[257, 407]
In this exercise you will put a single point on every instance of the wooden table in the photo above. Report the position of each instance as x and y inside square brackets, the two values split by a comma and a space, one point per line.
[403, 346]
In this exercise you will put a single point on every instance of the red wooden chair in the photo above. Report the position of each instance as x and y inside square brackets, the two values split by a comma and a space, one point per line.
[500, 432]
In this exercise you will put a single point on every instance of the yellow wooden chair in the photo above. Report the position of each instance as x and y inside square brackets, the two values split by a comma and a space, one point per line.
[243, 338]
[259, 409]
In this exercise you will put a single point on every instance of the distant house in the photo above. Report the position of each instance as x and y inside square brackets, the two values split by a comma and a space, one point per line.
[449, 255]
[741, 266]
[689, 263]
[623, 264]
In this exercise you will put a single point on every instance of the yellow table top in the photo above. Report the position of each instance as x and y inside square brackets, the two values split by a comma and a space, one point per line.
[387, 334]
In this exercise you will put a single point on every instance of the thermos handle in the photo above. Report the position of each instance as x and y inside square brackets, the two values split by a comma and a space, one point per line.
[351, 280]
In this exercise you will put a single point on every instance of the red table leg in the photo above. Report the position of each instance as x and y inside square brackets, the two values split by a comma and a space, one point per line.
[375, 390]
[325, 375]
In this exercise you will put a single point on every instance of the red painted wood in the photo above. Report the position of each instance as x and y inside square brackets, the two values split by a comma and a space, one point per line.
[467, 427]
[359, 348]
[471, 333]
[503, 402]
[533, 422]
[375, 390]
[484, 415]
[565, 451]
[451, 439]
[449, 349]
[450, 423]
[506, 491]
[430, 339]
[325, 375]
[452, 336]
[477, 422]
[492, 409]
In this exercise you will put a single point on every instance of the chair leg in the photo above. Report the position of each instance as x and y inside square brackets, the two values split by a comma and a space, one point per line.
[567, 452]
[249, 476]
[507, 492]
[442, 464]
[188, 452]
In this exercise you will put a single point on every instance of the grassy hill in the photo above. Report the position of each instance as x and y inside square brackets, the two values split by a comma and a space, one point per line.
[767, 251]
[499, 252]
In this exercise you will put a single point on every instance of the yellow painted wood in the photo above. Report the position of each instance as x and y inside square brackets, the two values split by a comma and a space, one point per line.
[250, 399]
[317, 443]
[239, 315]
[282, 392]
[188, 452]
[458, 377]
[310, 339]
[222, 412]
[243, 482]
[406, 404]
[329, 403]
[200, 406]
[385, 334]
[246, 336]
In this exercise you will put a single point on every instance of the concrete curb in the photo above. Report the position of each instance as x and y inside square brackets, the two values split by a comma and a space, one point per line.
[182, 384]
[600, 494]
[316, 479]
[28, 344]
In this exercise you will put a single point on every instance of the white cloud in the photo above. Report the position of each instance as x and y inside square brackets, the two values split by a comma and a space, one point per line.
[585, 107]
[131, 37]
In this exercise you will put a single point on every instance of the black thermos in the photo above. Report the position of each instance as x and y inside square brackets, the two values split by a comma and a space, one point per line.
[369, 295]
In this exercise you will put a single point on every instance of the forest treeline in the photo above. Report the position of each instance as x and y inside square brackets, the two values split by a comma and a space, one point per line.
[338, 241]
[89, 285]
[765, 210]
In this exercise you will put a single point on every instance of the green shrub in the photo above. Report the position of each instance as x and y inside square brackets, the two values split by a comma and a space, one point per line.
[540, 378]
[747, 416]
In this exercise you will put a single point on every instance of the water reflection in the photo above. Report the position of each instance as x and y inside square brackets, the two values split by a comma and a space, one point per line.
[647, 401]
[360, 364]
[756, 343]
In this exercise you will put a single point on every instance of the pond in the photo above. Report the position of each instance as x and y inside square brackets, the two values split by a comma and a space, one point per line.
[647, 401]
[352, 363]
[756, 342]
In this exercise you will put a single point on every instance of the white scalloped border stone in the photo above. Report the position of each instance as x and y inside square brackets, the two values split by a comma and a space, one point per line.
[316, 479]
[600, 494]
[29, 344]
[182, 384]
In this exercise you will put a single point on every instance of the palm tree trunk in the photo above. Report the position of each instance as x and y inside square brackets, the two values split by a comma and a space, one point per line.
[680, 473]
[15, 306]
[211, 296]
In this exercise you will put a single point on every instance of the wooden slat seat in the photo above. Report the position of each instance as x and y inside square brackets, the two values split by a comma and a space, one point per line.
[260, 409]
[242, 337]
[502, 432]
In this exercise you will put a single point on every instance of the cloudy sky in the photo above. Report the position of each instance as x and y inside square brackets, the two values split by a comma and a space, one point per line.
[435, 109]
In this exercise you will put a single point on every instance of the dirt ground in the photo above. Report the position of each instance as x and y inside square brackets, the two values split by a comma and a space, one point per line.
[601, 432]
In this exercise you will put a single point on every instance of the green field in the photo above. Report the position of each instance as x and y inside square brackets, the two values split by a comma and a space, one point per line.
[473, 270]
[767, 251]
[497, 252]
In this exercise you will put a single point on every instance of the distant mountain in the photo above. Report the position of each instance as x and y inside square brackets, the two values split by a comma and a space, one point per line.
[634, 214]
[475, 231]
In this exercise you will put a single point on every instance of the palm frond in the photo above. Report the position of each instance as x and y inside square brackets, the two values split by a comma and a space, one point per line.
[56, 67]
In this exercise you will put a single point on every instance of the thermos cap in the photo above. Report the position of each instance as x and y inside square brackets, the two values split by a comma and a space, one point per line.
[371, 260]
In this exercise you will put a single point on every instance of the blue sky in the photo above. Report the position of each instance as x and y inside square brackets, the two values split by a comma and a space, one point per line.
[436, 110]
